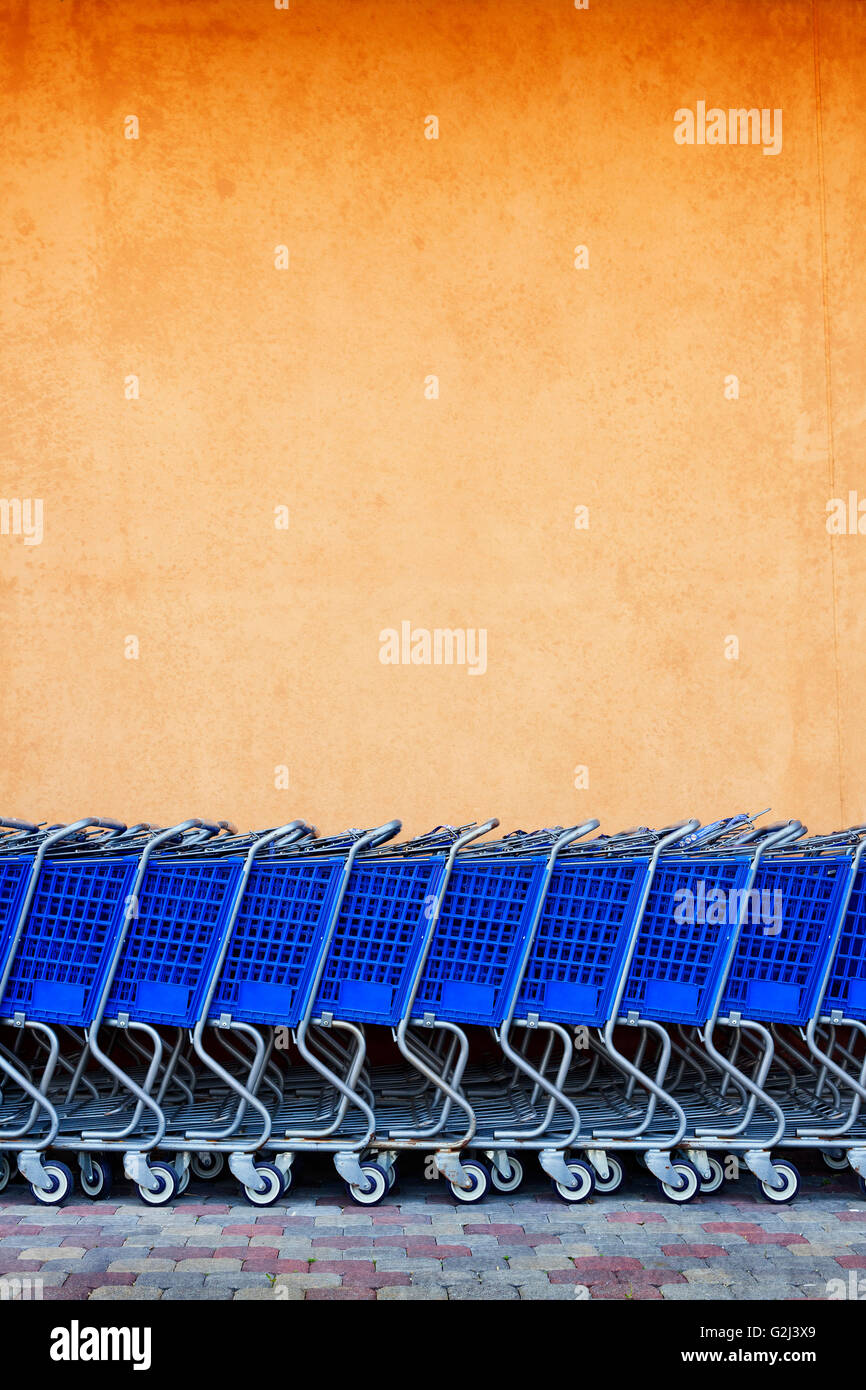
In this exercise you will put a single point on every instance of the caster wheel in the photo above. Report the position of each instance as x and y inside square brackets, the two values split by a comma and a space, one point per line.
[392, 1176]
[512, 1181]
[716, 1178]
[287, 1179]
[62, 1183]
[614, 1176]
[207, 1166]
[166, 1189]
[183, 1181]
[835, 1159]
[479, 1182]
[5, 1171]
[99, 1183]
[689, 1184]
[584, 1177]
[270, 1187]
[861, 1183]
[376, 1189]
[790, 1179]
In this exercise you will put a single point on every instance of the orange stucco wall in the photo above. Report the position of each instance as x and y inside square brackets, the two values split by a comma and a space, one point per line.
[307, 387]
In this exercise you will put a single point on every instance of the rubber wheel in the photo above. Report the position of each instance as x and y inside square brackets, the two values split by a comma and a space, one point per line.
[5, 1171]
[98, 1185]
[614, 1178]
[835, 1159]
[207, 1166]
[514, 1179]
[166, 1189]
[584, 1177]
[287, 1178]
[479, 1178]
[716, 1178]
[270, 1186]
[62, 1183]
[376, 1189]
[183, 1180]
[392, 1176]
[689, 1186]
[791, 1180]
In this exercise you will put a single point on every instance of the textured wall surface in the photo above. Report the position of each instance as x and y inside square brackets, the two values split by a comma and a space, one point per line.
[171, 646]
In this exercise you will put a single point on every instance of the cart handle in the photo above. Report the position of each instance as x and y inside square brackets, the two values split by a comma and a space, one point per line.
[370, 838]
[576, 833]
[793, 830]
[11, 824]
[669, 836]
[474, 832]
[63, 831]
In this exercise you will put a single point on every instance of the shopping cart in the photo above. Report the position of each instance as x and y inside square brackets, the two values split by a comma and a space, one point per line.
[841, 1134]
[466, 972]
[92, 892]
[268, 974]
[781, 932]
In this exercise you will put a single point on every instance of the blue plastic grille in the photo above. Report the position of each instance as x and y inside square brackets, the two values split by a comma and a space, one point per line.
[847, 986]
[378, 939]
[575, 962]
[68, 937]
[168, 955]
[14, 874]
[477, 942]
[273, 951]
[778, 964]
[679, 957]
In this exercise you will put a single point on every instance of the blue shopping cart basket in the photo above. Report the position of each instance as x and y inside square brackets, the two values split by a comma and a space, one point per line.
[277, 937]
[168, 956]
[72, 915]
[846, 989]
[787, 937]
[475, 953]
[687, 926]
[588, 920]
[390, 905]
[581, 940]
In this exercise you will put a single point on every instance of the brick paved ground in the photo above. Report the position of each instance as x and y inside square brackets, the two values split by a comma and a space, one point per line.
[421, 1245]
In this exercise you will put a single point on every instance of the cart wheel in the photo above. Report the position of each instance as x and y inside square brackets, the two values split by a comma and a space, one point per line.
[166, 1188]
[790, 1179]
[207, 1166]
[514, 1179]
[583, 1175]
[836, 1159]
[62, 1183]
[689, 1185]
[716, 1178]
[376, 1189]
[614, 1176]
[287, 1178]
[183, 1180]
[5, 1171]
[270, 1188]
[479, 1182]
[861, 1183]
[392, 1175]
[99, 1183]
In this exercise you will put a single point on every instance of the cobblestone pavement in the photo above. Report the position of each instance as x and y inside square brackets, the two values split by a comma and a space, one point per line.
[422, 1245]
